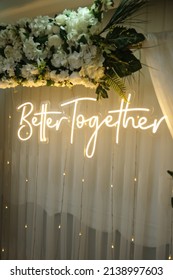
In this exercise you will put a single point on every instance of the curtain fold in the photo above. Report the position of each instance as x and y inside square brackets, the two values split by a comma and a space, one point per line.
[159, 57]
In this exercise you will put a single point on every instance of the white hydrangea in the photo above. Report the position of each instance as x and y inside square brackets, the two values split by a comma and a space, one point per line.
[12, 53]
[75, 60]
[59, 59]
[30, 49]
[29, 70]
[41, 25]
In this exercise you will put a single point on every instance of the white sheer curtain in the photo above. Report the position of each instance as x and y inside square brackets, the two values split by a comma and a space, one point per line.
[59, 204]
[159, 57]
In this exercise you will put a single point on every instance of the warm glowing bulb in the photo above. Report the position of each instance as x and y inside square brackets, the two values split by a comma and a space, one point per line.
[8, 162]
[59, 226]
[135, 179]
[170, 257]
[112, 186]
[9, 117]
[80, 233]
[64, 174]
[83, 180]
[112, 246]
[26, 226]
[6, 207]
[3, 250]
[26, 180]
[132, 239]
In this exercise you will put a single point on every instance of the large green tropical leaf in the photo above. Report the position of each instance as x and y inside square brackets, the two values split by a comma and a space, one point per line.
[123, 37]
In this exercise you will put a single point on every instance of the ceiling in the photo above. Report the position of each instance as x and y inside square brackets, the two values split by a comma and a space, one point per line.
[11, 10]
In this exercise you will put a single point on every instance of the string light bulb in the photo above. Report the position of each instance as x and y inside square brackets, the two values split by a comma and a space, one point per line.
[64, 174]
[3, 250]
[59, 226]
[26, 226]
[170, 257]
[133, 239]
[6, 207]
[112, 246]
[83, 180]
[135, 179]
[112, 186]
[8, 162]
[80, 233]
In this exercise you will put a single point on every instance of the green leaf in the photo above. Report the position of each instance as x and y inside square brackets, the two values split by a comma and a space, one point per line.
[2, 27]
[123, 62]
[63, 34]
[17, 70]
[83, 40]
[122, 37]
[41, 40]
[101, 91]
[50, 83]
[116, 83]
[2, 52]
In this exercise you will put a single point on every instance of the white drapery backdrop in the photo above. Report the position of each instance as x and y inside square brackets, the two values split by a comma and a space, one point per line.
[58, 204]
[159, 57]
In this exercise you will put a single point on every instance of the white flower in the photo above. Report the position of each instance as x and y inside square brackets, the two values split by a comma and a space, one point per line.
[61, 19]
[1, 63]
[8, 83]
[28, 71]
[11, 52]
[93, 72]
[34, 39]
[59, 59]
[41, 25]
[23, 21]
[30, 49]
[8, 64]
[55, 29]
[75, 61]
[54, 41]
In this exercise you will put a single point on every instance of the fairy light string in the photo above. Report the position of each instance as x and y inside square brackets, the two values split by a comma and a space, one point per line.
[64, 174]
[6, 176]
[34, 218]
[135, 179]
[112, 202]
[82, 190]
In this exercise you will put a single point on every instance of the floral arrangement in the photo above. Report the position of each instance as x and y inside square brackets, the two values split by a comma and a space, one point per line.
[71, 49]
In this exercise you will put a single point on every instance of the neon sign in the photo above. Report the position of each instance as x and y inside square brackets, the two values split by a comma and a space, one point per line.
[45, 119]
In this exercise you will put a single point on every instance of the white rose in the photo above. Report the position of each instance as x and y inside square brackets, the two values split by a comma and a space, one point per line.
[61, 19]
[54, 41]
